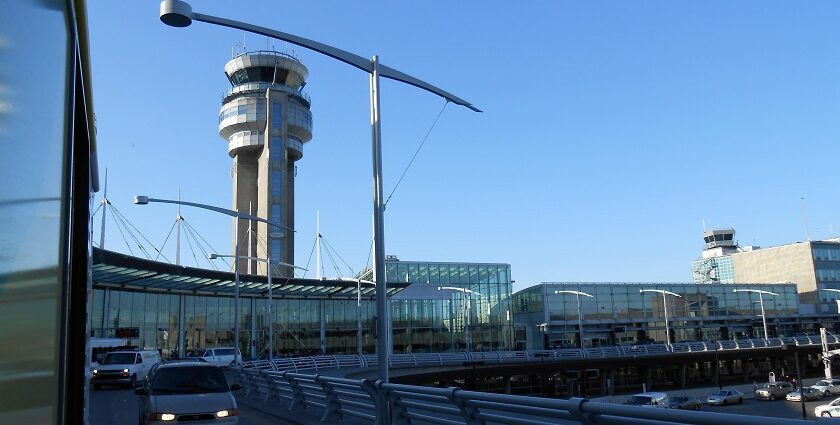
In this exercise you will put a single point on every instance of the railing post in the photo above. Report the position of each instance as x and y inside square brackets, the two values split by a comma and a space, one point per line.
[577, 412]
[332, 410]
[379, 402]
[469, 413]
[269, 383]
[297, 393]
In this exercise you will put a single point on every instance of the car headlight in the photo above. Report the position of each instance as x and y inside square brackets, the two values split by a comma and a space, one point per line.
[161, 417]
[125, 370]
[95, 371]
[226, 413]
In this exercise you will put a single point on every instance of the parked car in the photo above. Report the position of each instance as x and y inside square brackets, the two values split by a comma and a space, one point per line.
[684, 403]
[828, 410]
[649, 399]
[810, 394]
[183, 391]
[773, 391]
[725, 397]
[124, 368]
[221, 356]
[827, 387]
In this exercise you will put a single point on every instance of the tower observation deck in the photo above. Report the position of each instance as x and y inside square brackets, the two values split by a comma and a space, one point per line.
[266, 120]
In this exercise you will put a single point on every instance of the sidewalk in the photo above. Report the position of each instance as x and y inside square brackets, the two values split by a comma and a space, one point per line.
[698, 393]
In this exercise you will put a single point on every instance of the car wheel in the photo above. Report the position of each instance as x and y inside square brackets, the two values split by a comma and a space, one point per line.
[740, 401]
[725, 402]
[97, 386]
[696, 407]
[825, 414]
[772, 397]
[826, 393]
[133, 382]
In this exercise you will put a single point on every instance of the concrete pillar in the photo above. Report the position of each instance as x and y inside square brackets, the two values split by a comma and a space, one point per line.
[506, 384]
[182, 326]
[716, 373]
[603, 375]
[683, 374]
[253, 341]
[746, 365]
[649, 378]
[322, 320]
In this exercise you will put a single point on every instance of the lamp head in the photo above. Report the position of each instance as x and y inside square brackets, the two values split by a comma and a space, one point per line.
[175, 13]
[212, 256]
[141, 200]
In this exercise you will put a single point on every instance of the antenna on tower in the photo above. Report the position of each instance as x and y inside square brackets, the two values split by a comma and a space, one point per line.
[805, 219]
[704, 224]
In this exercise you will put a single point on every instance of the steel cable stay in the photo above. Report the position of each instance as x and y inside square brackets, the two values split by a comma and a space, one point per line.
[385, 204]
[191, 232]
[329, 246]
[190, 245]
[167, 238]
[122, 225]
[309, 260]
[131, 225]
[206, 243]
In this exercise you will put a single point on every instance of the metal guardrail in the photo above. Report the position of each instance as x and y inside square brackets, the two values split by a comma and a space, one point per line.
[350, 361]
[379, 403]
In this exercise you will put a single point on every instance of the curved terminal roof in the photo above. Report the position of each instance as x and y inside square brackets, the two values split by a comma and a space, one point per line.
[121, 271]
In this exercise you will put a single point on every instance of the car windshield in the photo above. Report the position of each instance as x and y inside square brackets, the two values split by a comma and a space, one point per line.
[721, 393]
[767, 386]
[189, 380]
[679, 399]
[119, 358]
[822, 383]
[195, 353]
[224, 352]
[638, 400]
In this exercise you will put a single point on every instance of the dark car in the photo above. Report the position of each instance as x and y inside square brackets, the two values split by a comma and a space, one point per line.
[773, 391]
[684, 403]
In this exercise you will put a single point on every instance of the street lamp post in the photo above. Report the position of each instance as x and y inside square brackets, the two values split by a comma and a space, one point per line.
[580, 316]
[467, 302]
[760, 301]
[178, 13]
[268, 262]
[359, 283]
[665, 304]
[145, 200]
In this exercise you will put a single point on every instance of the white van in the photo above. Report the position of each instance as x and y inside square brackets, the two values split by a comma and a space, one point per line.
[124, 367]
[649, 399]
[221, 356]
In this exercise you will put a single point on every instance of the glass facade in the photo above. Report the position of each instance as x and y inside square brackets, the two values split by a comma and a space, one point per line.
[618, 312]
[423, 318]
[713, 270]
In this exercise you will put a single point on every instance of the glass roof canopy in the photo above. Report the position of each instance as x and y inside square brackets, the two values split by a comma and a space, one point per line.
[117, 270]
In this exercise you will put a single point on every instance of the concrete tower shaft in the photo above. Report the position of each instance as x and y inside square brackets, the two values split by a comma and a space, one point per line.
[266, 120]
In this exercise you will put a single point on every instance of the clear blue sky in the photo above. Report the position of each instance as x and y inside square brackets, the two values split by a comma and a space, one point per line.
[610, 131]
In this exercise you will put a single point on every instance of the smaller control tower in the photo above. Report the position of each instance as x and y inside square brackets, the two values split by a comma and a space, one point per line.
[265, 119]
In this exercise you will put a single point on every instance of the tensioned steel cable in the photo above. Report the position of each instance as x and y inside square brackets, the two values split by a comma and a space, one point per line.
[329, 246]
[132, 226]
[167, 238]
[309, 260]
[212, 249]
[415, 155]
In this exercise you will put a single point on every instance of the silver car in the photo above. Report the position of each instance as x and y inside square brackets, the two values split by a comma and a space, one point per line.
[724, 397]
[187, 391]
[827, 387]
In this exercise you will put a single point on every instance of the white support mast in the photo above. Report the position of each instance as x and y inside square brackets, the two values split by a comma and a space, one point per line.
[104, 210]
[318, 245]
[178, 232]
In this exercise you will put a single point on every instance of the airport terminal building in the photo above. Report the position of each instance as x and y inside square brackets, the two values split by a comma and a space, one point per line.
[435, 307]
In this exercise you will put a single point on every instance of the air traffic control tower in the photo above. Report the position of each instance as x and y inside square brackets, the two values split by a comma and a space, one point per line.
[265, 118]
